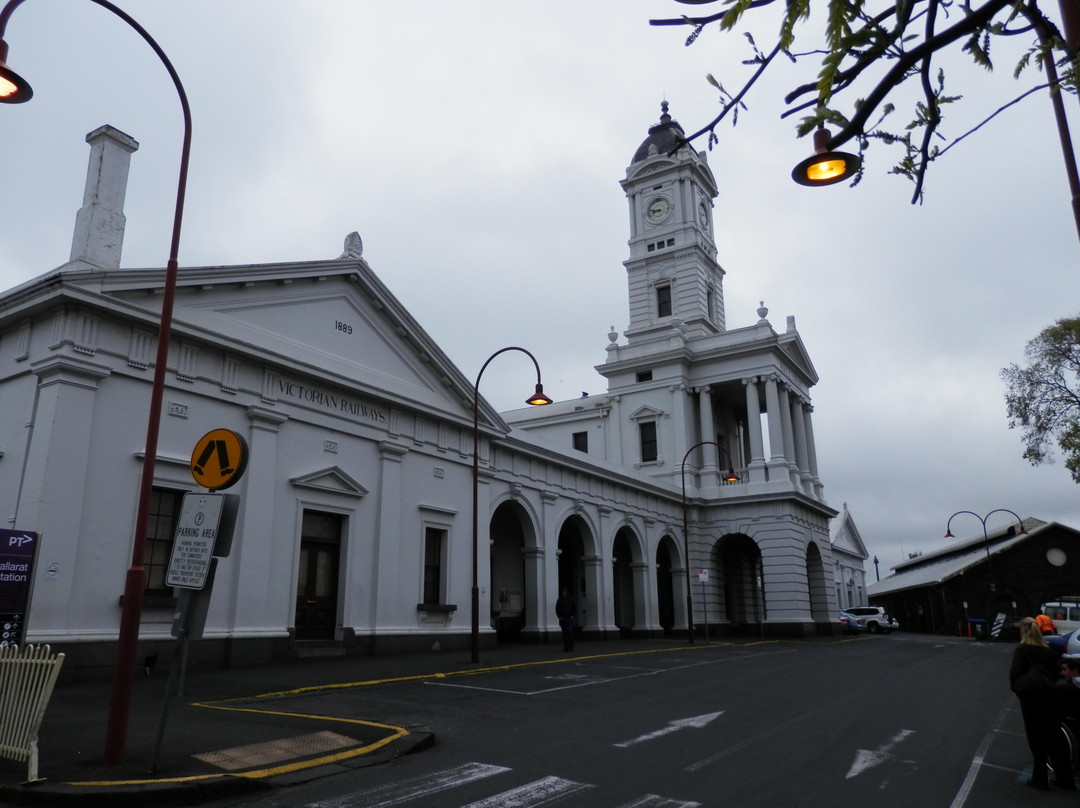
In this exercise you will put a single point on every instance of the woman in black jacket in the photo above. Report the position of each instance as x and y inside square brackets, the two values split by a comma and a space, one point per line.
[1031, 677]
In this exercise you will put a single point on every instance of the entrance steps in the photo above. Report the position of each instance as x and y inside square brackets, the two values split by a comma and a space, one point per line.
[307, 649]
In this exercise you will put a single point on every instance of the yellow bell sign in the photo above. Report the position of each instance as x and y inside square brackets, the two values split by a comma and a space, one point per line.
[220, 459]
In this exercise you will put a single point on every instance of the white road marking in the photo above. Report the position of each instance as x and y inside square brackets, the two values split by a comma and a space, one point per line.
[654, 801]
[406, 790]
[867, 759]
[544, 791]
[696, 722]
[589, 680]
[977, 762]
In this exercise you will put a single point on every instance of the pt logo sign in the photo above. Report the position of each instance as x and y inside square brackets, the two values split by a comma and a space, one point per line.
[220, 459]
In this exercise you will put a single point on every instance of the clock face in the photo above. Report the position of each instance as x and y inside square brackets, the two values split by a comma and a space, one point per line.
[703, 213]
[658, 210]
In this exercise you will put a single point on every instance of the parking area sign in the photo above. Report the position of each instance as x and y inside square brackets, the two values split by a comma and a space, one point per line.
[193, 545]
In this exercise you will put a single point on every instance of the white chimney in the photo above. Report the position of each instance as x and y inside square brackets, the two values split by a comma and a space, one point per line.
[99, 225]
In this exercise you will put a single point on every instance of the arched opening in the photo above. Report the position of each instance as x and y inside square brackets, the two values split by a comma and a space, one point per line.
[666, 553]
[572, 575]
[510, 585]
[622, 574]
[738, 562]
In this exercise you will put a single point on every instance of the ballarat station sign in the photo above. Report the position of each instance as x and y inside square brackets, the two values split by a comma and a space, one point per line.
[18, 548]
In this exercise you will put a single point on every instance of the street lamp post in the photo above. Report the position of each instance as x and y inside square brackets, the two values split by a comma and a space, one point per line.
[982, 519]
[536, 399]
[730, 477]
[13, 90]
[986, 536]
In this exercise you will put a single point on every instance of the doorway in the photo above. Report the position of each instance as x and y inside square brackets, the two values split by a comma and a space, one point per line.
[317, 577]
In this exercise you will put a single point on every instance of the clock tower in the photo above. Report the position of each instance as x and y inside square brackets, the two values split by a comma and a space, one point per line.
[674, 279]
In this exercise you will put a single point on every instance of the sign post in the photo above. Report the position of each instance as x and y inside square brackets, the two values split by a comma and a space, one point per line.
[703, 576]
[204, 533]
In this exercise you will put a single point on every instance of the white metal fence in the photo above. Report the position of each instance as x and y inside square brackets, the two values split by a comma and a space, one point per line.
[27, 677]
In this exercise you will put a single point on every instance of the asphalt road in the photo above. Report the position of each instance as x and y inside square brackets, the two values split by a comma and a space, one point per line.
[900, 720]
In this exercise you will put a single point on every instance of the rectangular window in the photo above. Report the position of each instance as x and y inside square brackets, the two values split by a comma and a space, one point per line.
[647, 430]
[434, 542]
[581, 441]
[663, 301]
[644, 376]
[160, 531]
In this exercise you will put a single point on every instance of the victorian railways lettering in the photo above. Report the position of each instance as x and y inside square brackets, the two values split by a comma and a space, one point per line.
[329, 401]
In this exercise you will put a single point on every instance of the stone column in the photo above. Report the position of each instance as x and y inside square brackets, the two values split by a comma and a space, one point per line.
[777, 464]
[257, 560]
[387, 607]
[798, 421]
[753, 425]
[811, 452]
[597, 593]
[639, 573]
[549, 582]
[709, 453]
[604, 610]
[535, 588]
[52, 499]
[789, 435]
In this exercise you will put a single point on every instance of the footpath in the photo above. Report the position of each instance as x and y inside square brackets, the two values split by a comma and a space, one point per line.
[241, 730]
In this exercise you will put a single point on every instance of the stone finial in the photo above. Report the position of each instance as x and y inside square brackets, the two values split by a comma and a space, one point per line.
[762, 312]
[354, 247]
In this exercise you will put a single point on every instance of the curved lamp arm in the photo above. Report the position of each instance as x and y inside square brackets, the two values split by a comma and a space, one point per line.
[537, 399]
[1020, 522]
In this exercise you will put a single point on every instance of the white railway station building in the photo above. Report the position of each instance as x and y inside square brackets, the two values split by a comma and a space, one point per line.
[354, 530]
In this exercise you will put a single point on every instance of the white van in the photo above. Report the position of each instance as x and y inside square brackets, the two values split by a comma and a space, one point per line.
[1065, 613]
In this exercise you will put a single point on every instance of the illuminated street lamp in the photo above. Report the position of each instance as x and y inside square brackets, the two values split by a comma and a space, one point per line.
[14, 90]
[730, 477]
[825, 167]
[536, 399]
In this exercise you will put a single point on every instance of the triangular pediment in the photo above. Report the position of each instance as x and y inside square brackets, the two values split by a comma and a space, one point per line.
[331, 321]
[844, 535]
[792, 346]
[646, 412]
[331, 479]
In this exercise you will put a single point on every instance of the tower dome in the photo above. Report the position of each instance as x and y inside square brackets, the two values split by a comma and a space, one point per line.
[663, 137]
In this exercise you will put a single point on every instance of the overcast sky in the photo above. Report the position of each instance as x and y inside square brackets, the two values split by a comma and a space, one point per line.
[477, 148]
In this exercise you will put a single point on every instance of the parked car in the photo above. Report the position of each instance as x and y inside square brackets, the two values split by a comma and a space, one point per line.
[872, 619]
[1061, 642]
[848, 622]
[1065, 613]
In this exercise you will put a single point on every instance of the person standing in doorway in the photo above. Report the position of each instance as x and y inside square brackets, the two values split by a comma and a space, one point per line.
[565, 609]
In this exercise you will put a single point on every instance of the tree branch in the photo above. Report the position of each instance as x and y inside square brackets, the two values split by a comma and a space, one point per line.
[933, 113]
[737, 99]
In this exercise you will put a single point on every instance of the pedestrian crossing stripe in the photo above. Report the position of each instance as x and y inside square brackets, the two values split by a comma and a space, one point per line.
[535, 794]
